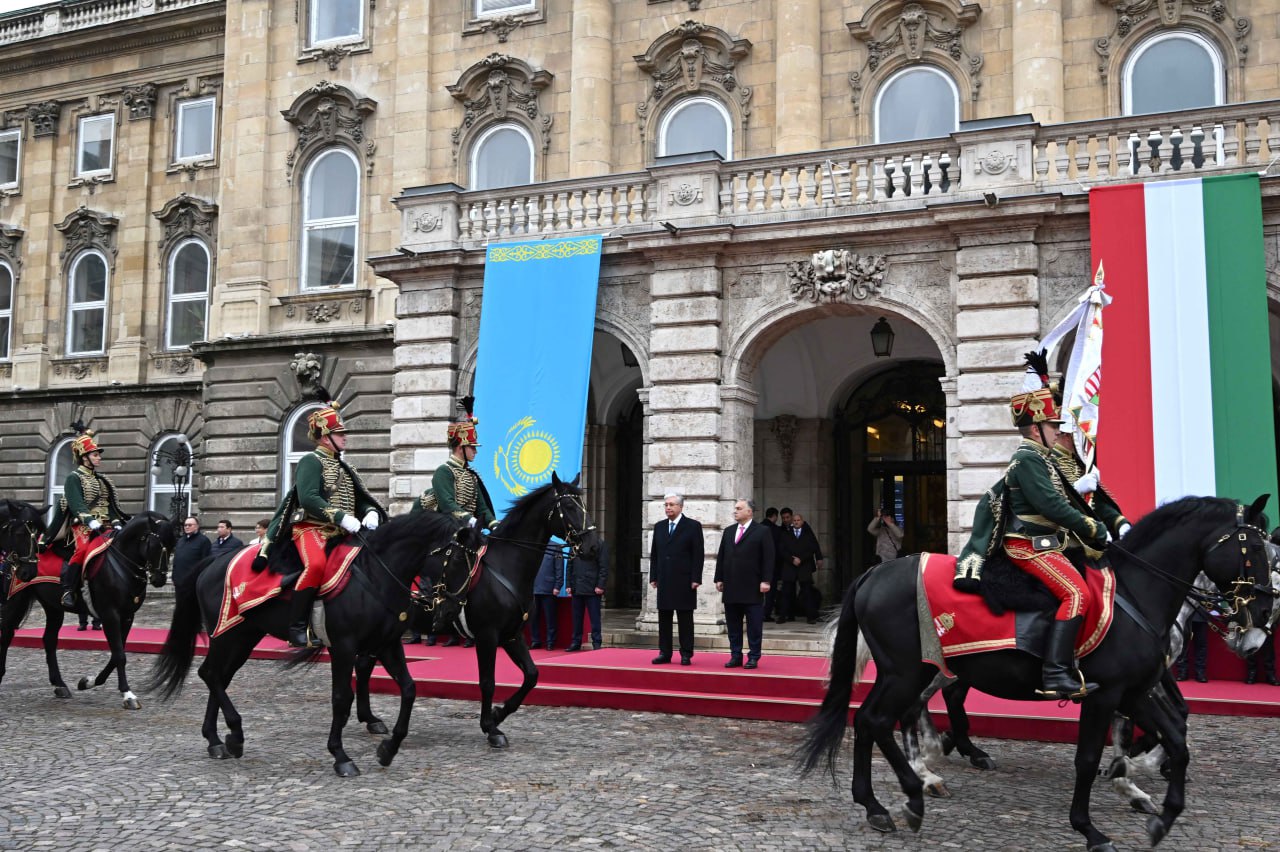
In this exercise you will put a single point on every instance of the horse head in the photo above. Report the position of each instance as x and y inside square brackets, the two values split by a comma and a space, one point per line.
[1241, 565]
[147, 540]
[21, 526]
[568, 518]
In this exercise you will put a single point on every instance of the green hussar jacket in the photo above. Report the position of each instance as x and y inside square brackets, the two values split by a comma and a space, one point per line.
[1104, 505]
[86, 495]
[325, 490]
[457, 490]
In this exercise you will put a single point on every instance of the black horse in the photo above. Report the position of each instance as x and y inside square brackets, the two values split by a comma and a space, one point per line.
[495, 610]
[21, 526]
[1154, 566]
[117, 586]
[365, 622]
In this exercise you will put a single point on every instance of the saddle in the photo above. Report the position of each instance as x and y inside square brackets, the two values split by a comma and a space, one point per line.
[244, 589]
[954, 623]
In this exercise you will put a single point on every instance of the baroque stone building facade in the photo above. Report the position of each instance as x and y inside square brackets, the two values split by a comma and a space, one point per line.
[772, 180]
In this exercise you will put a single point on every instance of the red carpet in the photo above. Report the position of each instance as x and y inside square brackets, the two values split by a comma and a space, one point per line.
[783, 688]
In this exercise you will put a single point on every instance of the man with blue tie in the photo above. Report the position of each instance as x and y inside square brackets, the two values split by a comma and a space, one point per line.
[744, 574]
[675, 570]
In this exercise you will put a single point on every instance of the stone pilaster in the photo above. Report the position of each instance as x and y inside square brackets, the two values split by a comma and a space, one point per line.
[799, 76]
[591, 95]
[1038, 60]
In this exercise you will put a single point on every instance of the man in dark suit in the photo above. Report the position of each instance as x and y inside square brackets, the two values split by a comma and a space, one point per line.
[744, 574]
[675, 570]
[771, 599]
[805, 555]
[226, 541]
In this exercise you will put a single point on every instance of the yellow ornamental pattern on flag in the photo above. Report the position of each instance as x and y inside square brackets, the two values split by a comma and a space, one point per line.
[543, 251]
[526, 456]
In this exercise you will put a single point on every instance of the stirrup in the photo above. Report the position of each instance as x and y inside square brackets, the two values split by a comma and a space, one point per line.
[1079, 695]
[309, 637]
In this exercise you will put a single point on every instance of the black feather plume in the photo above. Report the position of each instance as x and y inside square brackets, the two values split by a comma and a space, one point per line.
[78, 427]
[320, 393]
[1039, 361]
[467, 404]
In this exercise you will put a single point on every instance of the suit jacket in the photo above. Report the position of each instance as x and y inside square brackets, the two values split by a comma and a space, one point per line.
[231, 545]
[591, 574]
[806, 547]
[743, 566]
[675, 563]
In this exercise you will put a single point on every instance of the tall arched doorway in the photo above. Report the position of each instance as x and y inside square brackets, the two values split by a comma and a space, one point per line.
[890, 452]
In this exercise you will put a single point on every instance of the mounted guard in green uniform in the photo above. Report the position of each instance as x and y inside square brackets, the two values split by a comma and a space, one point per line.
[456, 488]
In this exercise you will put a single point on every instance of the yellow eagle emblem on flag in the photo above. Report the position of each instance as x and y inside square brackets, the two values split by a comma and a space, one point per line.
[526, 457]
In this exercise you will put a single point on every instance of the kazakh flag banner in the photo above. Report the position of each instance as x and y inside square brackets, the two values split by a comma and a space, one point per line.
[1187, 351]
[533, 368]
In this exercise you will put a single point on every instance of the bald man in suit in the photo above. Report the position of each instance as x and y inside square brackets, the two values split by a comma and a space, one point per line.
[744, 573]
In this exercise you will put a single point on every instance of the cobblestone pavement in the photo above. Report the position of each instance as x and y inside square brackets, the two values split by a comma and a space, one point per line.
[85, 774]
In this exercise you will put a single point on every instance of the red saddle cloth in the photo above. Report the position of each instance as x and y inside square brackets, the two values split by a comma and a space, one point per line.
[243, 588]
[48, 570]
[965, 624]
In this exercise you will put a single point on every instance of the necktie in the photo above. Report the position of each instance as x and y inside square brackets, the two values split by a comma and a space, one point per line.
[741, 530]
[797, 533]
[671, 527]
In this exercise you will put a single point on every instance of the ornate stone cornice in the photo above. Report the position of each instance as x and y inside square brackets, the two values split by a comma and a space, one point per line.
[84, 228]
[44, 118]
[187, 216]
[836, 275]
[10, 239]
[326, 114]
[924, 31]
[141, 100]
[501, 88]
[1147, 15]
[692, 58]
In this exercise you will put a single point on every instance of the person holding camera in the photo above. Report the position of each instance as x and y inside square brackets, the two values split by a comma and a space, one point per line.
[888, 535]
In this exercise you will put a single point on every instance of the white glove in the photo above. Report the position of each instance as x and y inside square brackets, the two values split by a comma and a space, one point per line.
[349, 524]
[371, 520]
[1087, 484]
[1124, 530]
[1107, 535]
[472, 521]
[95, 524]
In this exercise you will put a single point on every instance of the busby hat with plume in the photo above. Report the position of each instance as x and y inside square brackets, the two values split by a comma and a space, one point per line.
[462, 431]
[83, 443]
[1038, 402]
[325, 420]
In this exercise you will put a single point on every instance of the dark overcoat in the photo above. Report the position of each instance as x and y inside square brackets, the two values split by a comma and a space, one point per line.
[675, 563]
[743, 566]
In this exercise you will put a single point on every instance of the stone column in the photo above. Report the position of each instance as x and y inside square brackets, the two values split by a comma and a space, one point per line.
[684, 421]
[1038, 60]
[591, 95]
[799, 76]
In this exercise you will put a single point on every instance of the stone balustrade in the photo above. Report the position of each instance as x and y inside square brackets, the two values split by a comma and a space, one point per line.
[52, 18]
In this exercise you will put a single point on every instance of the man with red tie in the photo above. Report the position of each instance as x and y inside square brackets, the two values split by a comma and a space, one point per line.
[744, 573]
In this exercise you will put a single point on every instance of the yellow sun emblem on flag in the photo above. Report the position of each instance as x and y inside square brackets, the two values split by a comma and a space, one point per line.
[526, 457]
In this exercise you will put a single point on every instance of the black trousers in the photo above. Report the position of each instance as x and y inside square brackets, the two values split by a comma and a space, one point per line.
[684, 618]
[753, 614]
[1198, 635]
[1266, 655]
[543, 616]
[583, 604]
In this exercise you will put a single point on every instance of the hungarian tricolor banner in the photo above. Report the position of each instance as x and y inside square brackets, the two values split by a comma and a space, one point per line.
[1187, 350]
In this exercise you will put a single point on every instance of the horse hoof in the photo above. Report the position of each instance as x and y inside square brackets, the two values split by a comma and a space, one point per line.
[947, 742]
[385, 753]
[61, 692]
[346, 769]
[219, 752]
[938, 790]
[914, 820]
[377, 728]
[1156, 830]
[498, 740]
[984, 763]
[235, 748]
[84, 684]
[131, 704]
[1144, 806]
[882, 823]
[1106, 846]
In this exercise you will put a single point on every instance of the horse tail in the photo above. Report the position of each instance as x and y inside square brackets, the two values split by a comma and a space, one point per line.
[826, 728]
[169, 671]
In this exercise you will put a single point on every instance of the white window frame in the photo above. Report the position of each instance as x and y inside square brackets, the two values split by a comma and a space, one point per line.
[6, 353]
[110, 118]
[183, 106]
[902, 72]
[289, 458]
[338, 221]
[175, 299]
[16, 135]
[157, 489]
[481, 12]
[312, 18]
[73, 306]
[478, 145]
[57, 484]
[675, 109]
[1215, 57]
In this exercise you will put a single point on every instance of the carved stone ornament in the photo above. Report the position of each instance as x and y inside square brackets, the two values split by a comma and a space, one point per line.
[693, 58]
[323, 312]
[178, 365]
[500, 88]
[10, 253]
[694, 5]
[187, 216]
[1132, 15]
[327, 114]
[899, 34]
[784, 428]
[836, 275]
[44, 118]
[85, 229]
[141, 100]
[307, 366]
[686, 194]
[995, 162]
[426, 222]
[80, 370]
[333, 55]
[501, 26]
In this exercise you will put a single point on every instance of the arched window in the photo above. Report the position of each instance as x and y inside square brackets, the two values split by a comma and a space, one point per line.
[294, 444]
[171, 473]
[61, 463]
[330, 215]
[502, 156]
[1171, 71]
[188, 294]
[693, 125]
[87, 305]
[920, 102]
[6, 309]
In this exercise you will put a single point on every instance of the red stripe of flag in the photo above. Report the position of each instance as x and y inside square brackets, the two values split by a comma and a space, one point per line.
[1126, 455]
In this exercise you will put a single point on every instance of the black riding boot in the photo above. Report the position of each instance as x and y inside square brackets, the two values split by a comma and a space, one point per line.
[71, 587]
[1061, 677]
[300, 635]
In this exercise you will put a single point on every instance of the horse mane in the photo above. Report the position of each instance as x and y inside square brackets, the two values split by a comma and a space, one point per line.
[522, 506]
[1160, 521]
[430, 525]
[141, 521]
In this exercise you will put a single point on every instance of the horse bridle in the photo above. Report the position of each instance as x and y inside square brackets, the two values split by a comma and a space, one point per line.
[440, 592]
[572, 537]
[141, 570]
[13, 558]
[1244, 591]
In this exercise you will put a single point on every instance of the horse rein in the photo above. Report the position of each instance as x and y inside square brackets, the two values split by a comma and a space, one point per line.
[572, 537]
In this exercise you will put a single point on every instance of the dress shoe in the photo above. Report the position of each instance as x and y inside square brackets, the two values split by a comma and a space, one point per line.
[532, 644]
[1201, 677]
[1250, 677]
[751, 664]
[1179, 675]
[411, 639]
[83, 627]
[549, 645]
[430, 640]
[576, 646]
[734, 662]
[686, 661]
[450, 642]
[595, 646]
[661, 660]
[1273, 680]
[470, 643]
